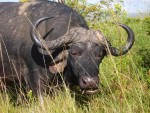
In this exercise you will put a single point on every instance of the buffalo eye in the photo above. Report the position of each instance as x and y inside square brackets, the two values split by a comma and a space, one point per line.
[76, 50]
[75, 53]
[97, 55]
[99, 52]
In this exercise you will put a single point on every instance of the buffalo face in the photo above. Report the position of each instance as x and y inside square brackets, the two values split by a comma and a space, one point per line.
[85, 51]
[83, 61]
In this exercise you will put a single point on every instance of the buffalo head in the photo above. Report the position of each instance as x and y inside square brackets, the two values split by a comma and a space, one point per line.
[85, 51]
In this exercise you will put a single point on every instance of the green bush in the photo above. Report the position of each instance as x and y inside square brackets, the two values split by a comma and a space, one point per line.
[146, 22]
[132, 20]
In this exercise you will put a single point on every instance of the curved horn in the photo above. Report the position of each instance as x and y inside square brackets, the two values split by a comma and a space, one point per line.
[54, 44]
[61, 1]
[33, 32]
[130, 40]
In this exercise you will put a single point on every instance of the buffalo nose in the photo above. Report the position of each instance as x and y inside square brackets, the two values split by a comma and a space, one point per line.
[89, 82]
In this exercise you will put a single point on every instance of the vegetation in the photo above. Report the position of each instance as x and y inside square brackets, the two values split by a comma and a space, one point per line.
[125, 80]
[24, 0]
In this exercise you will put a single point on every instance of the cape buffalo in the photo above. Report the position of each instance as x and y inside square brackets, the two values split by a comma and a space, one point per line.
[45, 43]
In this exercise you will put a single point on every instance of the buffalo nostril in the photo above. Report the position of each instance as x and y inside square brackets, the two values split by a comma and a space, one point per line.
[84, 81]
[87, 82]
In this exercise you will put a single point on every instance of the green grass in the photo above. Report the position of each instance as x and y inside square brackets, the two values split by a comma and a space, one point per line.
[124, 87]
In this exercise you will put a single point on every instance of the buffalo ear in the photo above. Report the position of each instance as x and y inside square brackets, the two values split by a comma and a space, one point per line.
[107, 47]
[106, 52]
[58, 67]
[59, 63]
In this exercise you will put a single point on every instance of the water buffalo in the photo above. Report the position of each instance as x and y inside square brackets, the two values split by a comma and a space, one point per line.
[48, 43]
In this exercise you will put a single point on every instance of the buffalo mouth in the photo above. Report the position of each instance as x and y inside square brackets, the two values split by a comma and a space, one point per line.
[88, 85]
[82, 91]
[89, 91]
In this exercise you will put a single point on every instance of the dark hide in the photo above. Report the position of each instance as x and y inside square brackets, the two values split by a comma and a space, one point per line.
[20, 59]
[76, 50]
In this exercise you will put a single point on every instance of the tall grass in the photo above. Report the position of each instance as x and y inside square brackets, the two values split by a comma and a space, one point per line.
[124, 86]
